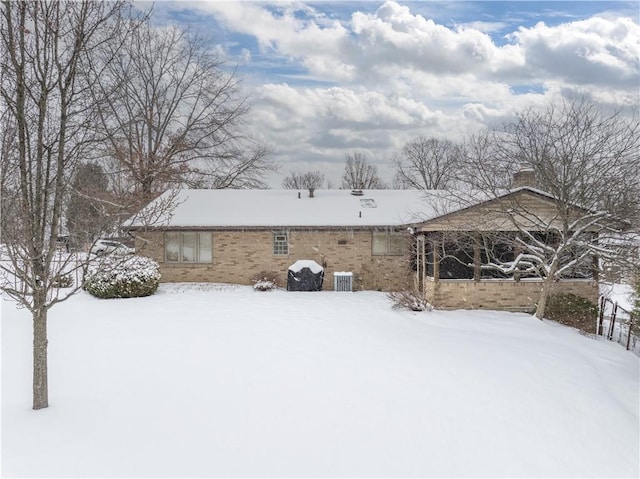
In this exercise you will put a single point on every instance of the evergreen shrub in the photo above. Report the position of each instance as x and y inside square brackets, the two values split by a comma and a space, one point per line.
[573, 310]
[118, 277]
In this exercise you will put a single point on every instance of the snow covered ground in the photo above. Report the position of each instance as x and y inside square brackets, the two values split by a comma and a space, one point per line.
[622, 294]
[202, 381]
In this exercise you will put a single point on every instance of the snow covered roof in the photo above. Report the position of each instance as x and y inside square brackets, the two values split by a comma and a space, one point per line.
[227, 208]
[291, 208]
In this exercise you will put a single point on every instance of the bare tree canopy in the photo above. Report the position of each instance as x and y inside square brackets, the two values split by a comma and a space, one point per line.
[483, 165]
[360, 173]
[587, 160]
[175, 117]
[46, 75]
[581, 154]
[427, 164]
[297, 180]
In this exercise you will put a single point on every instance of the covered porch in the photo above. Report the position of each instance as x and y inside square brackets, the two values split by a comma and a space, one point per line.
[453, 271]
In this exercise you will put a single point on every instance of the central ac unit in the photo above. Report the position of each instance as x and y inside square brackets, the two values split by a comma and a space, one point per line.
[343, 281]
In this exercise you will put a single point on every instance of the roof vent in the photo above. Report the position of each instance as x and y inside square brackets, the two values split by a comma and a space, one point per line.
[357, 192]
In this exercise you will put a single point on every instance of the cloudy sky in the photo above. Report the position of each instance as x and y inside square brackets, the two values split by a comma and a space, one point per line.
[330, 78]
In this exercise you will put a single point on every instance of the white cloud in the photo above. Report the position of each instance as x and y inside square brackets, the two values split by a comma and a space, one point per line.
[313, 41]
[365, 48]
[305, 125]
[394, 75]
[393, 35]
[334, 109]
[246, 55]
[596, 51]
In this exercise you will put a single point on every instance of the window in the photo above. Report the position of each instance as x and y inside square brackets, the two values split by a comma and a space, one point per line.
[387, 243]
[281, 243]
[188, 247]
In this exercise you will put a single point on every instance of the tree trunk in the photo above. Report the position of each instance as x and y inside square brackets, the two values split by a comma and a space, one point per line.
[40, 342]
[546, 290]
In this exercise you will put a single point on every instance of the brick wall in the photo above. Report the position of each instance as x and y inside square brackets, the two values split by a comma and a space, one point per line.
[239, 255]
[500, 294]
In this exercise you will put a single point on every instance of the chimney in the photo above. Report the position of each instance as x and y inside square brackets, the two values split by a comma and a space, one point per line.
[524, 177]
[311, 190]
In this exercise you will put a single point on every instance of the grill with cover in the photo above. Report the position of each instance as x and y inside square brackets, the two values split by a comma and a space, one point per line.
[305, 275]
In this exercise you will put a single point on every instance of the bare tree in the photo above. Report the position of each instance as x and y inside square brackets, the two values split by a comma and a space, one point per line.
[636, 301]
[483, 165]
[46, 74]
[586, 160]
[297, 180]
[9, 179]
[176, 117]
[427, 164]
[360, 173]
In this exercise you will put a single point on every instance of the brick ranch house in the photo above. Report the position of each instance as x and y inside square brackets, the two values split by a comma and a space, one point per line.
[388, 239]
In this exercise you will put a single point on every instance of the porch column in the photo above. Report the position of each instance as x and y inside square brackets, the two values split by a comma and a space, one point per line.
[477, 260]
[595, 264]
[436, 258]
[421, 263]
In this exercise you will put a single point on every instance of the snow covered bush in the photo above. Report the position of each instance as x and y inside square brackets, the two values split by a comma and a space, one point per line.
[266, 281]
[408, 299]
[118, 277]
[573, 310]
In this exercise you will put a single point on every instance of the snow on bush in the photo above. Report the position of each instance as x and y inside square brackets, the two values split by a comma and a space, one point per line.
[117, 277]
[410, 300]
[572, 310]
[266, 281]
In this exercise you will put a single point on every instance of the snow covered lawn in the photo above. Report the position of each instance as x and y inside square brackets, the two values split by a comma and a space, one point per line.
[225, 381]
